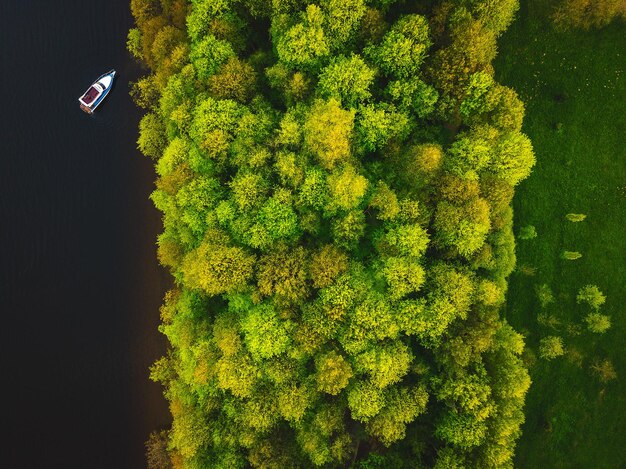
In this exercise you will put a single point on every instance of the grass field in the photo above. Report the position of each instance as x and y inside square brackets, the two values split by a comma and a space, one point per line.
[574, 87]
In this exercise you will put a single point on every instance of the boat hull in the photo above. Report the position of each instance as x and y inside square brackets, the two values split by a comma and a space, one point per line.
[89, 101]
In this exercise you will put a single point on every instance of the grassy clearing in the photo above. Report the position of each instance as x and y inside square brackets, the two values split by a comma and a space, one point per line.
[574, 86]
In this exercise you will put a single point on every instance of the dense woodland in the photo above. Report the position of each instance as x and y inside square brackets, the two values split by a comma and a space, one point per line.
[335, 180]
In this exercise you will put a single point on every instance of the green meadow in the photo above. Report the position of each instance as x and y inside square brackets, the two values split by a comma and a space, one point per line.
[574, 88]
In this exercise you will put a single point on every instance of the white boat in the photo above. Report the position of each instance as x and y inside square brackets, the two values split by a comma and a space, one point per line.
[96, 93]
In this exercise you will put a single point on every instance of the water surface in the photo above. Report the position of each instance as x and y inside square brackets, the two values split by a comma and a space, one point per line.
[79, 283]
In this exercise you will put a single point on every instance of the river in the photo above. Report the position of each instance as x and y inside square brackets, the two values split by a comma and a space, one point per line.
[80, 286]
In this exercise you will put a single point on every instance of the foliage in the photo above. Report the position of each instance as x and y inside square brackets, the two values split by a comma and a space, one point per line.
[528, 232]
[544, 295]
[598, 323]
[347, 80]
[587, 14]
[571, 255]
[157, 456]
[551, 347]
[575, 217]
[340, 259]
[591, 295]
[604, 370]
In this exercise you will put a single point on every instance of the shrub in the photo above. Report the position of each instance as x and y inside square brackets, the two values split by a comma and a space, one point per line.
[544, 295]
[598, 323]
[527, 232]
[571, 255]
[604, 370]
[585, 14]
[575, 217]
[551, 347]
[591, 295]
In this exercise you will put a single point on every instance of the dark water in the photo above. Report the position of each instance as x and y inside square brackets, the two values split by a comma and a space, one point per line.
[79, 282]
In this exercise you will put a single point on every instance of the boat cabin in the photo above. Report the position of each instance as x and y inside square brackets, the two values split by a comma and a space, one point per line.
[92, 94]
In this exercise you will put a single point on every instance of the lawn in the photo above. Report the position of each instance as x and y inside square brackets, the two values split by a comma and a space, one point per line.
[574, 87]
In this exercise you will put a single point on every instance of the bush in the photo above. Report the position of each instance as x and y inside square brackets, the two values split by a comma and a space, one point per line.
[571, 255]
[604, 370]
[156, 451]
[575, 217]
[527, 232]
[585, 14]
[598, 323]
[544, 295]
[591, 295]
[551, 347]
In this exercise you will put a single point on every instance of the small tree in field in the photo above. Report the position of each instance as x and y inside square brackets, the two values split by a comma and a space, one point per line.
[604, 370]
[551, 347]
[571, 255]
[575, 217]
[544, 295]
[598, 323]
[528, 232]
[585, 14]
[591, 295]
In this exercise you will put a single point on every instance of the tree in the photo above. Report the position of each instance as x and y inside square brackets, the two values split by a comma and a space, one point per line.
[413, 95]
[462, 227]
[604, 370]
[496, 15]
[133, 43]
[468, 156]
[342, 19]
[327, 264]
[386, 201]
[265, 334]
[513, 158]
[346, 188]
[586, 14]
[376, 125]
[234, 79]
[422, 162]
[209, 54]
[152, 140]
[544, 295]
[385, 364]
[403, 48]
[551, 347]
[278, 217]
[373, 26]
[591, 295]
[365, 401]
[471, 48]
[403, 406]
[571, 255]
[461, 430]
[346, 79]
[598, 323]
[528, 232]
[575, 217]
[156, 451]
[407, 240]
[305, 43]
[333, 373]
[164, 43]
[327, 132]
[282, 273]
[216, 268]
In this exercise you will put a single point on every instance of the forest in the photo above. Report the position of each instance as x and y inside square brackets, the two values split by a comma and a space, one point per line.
[335, 180]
